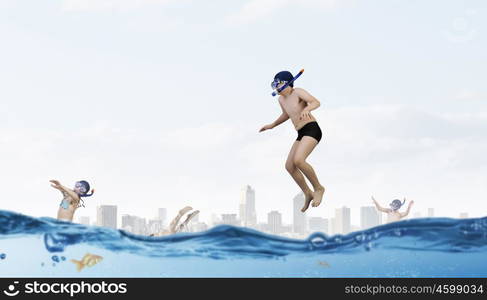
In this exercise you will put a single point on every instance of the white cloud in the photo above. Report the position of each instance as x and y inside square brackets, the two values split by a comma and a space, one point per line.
[257, 9]
[108, 5]
[470, 95]
[154, 25]
[204, 137]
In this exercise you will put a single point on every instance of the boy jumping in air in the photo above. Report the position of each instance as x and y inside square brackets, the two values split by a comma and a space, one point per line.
[297, 104]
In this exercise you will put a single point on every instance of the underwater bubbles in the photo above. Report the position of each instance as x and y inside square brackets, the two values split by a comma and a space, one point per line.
[476, 226]
[368, 246]
[55, 242]
[359, 238]
[317, 240]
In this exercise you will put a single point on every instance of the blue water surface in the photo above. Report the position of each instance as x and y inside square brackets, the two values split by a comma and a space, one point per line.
[429, 247]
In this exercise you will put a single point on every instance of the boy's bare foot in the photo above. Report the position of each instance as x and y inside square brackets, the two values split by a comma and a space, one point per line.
[191, 215]
[188, 218]
[185, 210]
[318, 196]
[307, 201]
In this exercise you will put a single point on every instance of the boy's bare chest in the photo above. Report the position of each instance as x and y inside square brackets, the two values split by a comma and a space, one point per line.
[394, 215]
[292, 105]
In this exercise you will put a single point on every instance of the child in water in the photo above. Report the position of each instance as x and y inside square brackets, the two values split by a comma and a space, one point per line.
[393, 213]
[297, 104]
[175, 227]
[71, 198]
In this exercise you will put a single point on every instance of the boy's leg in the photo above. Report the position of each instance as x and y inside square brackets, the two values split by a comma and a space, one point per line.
[173, 228]
[305, 147]
[188, 219]
[298, 176]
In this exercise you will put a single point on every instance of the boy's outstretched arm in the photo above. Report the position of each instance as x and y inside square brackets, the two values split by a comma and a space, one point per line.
[379, 208]
[312, 102]
[408, 210]
[282, 118]
[57, 185]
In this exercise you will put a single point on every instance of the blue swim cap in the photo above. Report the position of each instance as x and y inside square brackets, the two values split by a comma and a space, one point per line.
[285, 76]
[396, 204]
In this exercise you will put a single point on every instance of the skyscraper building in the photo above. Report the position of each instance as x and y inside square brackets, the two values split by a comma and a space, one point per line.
[214, 219]
[431, 212]
[369, 217]
[299, 218]
[274, 221]
[342, 219]
[134, 224]
[106, 216]
[318, 224]
[162, 215]
[197, 226]
[140, 226]
[247, 213]
[230, 219]
[128, 223]
[154, 226]
[333, 226]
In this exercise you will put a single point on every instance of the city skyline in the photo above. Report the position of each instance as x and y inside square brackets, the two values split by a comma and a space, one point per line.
[249, 194]
[300, 226]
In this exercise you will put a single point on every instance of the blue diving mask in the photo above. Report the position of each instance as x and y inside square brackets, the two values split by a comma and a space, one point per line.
[277, 83]
[80, 187]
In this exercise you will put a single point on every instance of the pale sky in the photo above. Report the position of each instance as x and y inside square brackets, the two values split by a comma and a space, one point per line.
[158, 103]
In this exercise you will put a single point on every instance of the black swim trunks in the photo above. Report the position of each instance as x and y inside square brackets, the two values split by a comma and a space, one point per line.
[311, 129]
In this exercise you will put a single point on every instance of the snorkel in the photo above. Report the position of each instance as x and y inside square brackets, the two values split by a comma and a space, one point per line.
[396, 204]
[275, 84]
